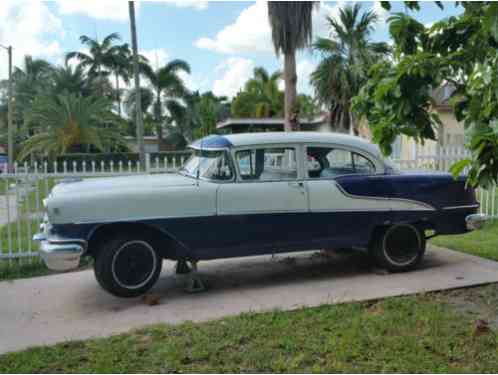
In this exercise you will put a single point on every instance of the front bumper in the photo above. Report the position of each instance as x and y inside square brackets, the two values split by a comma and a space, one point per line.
[475, 221]
[60, 254]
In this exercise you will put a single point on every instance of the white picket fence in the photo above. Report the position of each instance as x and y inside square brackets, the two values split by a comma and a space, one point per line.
[22, 192]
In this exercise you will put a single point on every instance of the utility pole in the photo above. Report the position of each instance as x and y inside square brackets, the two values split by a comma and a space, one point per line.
[10, 130]
[139, 117]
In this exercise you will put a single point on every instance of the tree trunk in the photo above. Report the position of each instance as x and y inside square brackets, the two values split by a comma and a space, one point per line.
[139, 117]
[290, 78]
[118, 95]
[351, 122]
[159, 125]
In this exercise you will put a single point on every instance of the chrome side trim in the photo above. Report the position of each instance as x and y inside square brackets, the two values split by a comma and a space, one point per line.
[461, 207]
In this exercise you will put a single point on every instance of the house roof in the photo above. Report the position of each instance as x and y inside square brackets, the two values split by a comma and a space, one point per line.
[273, 138]
[262, 122]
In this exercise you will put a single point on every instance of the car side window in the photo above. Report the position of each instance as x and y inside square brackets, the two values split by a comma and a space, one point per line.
[326, 162]
[267, 164]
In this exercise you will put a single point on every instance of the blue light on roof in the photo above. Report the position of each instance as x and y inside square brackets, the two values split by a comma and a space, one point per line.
[212, 141]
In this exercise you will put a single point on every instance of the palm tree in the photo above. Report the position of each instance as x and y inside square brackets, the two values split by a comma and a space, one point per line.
[167, 86]
[122, 68]
[70, 79]
[265, 86]
[291, 26]
[70, 122]
[101, 58]
[130, 102]
[100, 54]
[30, 80]
[348, 55]
[139, 120]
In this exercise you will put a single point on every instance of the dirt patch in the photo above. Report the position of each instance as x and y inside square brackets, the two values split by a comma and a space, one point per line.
[481, 303]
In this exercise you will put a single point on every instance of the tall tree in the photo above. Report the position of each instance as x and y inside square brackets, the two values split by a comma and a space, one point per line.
[167, 86]
[461, 50]
[136, 74]
[265, 86]
[70, 79]
[260, 97]
[291, 24]
[29, 80]
[122, 67]
[347, 57]
[101, 59]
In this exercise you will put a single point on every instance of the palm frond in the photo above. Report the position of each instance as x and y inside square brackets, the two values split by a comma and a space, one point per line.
[291, 24]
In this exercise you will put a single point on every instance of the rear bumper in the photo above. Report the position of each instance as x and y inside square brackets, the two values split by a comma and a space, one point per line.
[60, 254]
[475, 221]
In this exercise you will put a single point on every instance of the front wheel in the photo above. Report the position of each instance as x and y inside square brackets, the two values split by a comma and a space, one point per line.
[127, 266]
[400, 247]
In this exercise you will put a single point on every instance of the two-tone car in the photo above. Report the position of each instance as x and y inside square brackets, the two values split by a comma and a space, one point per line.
[248, 194]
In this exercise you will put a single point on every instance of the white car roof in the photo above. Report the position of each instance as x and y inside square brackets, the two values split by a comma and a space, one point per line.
[256, 139]
[251, 139]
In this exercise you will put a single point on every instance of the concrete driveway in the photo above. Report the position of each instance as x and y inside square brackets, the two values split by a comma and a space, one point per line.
[72, 306]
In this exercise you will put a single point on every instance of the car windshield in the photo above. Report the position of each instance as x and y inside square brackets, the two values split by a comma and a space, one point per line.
[208, 164]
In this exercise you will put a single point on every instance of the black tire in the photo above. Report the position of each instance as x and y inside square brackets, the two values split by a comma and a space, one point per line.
[127, 266]
[400, 247]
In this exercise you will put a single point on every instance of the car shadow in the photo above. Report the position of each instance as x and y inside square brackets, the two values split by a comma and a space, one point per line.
[237, 275]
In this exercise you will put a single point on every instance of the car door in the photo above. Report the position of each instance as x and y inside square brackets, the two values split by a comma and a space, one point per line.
[340, 220]
[264, 207]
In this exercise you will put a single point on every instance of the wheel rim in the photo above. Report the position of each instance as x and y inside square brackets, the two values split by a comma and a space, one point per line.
[133, 265]
[401, 244]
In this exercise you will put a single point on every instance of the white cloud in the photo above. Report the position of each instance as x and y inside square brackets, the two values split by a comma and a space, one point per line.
[196, 4]
[251, 30]
[157, 57]
[381, 13]
[31, 29]
[114, 10]
[304, 68]
[249, 33]
[236, 71]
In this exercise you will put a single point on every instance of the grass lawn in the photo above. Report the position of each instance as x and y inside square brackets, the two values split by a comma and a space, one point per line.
[483, 243]
[23, 268]
[407, 334]
[426, 333]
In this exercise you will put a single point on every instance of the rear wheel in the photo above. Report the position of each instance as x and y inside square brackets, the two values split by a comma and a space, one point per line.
[400, 247]
[127, 266]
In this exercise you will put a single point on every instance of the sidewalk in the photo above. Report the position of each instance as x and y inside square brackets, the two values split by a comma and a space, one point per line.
[72, 306]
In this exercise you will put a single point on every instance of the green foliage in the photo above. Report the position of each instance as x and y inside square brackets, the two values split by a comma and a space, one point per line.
[291, 24]
[460, 51]
[67, 122]
[166, 87]
[415, 334]
[346, 59]
[308, 108]
[260, 97]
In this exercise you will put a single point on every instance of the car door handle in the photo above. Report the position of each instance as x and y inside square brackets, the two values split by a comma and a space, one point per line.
[297, 185]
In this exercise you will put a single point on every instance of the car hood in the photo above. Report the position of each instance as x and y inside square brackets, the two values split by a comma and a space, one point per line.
[135, 182]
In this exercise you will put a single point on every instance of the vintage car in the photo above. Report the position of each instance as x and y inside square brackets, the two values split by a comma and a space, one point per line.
[248, 194]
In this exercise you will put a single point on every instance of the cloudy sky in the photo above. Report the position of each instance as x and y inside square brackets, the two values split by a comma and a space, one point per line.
[222, 41]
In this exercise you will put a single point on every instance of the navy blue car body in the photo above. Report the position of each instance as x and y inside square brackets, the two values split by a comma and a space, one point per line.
[252, 194]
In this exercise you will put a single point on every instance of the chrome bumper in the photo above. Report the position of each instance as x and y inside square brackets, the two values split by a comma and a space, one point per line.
[60, 255]
[475, 221]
